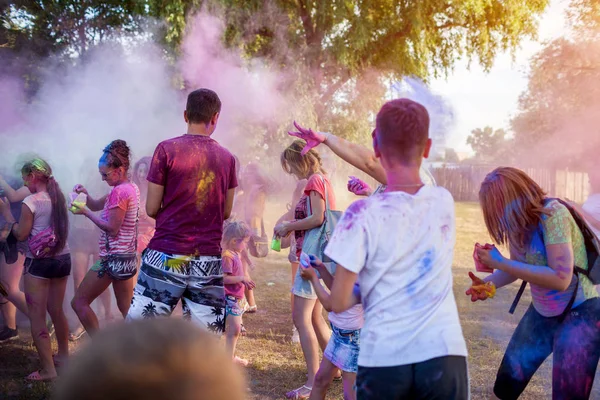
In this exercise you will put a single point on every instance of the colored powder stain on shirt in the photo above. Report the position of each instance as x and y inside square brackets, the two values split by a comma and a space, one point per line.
[426, 261]
[204, 187]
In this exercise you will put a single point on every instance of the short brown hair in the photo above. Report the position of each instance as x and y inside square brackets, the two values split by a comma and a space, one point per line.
[202, 105]
[153, 359]
[292, 161]
[402, 129]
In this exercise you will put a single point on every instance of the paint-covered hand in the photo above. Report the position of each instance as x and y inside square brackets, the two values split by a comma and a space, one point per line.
[359, 187]
[281, 230]
[316, 262]
[78, 208]
[249, 283]
[312, 138]
[490, 257]
[80, 189]
[308, 273]
[480, 290]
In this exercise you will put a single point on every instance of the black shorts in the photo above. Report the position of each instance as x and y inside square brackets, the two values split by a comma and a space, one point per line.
[443, 378]
[49, 268]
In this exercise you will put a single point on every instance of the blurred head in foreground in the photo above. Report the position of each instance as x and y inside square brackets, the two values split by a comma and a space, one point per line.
[153, 359]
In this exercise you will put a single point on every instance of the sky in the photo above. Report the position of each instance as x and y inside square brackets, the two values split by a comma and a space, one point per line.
[481, 99]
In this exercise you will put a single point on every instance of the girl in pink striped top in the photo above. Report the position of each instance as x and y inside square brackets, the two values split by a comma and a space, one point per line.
[118, 222]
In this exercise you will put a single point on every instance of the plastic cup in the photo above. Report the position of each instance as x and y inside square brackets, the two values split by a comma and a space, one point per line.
[479, 266]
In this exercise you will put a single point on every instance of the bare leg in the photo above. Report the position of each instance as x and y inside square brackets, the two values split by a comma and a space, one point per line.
[302, 316]
[294, 271]
[250, 297]
[233, 328]
[89, 290]
[37, 298]
[10, 275]
[320, 326]
[323, 379]
[124, 294]
[56, 297]
[349, 382]
[106, 300]
[9, 313]
[80, 263]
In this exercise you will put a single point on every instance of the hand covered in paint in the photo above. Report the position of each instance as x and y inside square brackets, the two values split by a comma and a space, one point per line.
[249, 283]
[312, 138]
[359, 187]
[80, 189]
[308, 273]
[490, 257]
[78, 208]
[282, 230]
[479, 289]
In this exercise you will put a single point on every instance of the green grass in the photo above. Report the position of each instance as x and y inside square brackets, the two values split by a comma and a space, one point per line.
[277, 366]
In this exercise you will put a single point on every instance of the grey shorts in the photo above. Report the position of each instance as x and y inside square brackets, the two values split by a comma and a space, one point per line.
[304, 288]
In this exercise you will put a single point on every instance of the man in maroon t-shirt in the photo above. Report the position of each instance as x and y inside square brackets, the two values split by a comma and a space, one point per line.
[191, 185]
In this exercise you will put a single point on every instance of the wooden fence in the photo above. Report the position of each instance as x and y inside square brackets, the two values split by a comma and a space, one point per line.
[464, 181]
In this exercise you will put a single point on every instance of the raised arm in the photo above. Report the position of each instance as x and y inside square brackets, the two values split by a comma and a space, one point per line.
[354, 154]
[13, 196]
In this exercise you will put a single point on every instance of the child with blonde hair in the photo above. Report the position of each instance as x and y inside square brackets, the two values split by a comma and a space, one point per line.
[236, 235]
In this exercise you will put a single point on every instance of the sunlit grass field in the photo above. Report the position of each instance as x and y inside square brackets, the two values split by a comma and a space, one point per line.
[277, 364]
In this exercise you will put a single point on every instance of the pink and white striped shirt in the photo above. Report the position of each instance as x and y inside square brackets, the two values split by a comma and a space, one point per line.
[125, 196]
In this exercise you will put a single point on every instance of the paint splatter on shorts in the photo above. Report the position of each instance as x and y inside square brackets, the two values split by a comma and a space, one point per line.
[575, 343]
[235, 306]
[342, 349]
[165, 279]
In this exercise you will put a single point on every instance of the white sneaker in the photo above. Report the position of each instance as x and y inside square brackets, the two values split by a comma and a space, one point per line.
[295, 336]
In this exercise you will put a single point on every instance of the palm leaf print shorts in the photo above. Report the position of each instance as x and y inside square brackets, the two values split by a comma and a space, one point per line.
[165, 279]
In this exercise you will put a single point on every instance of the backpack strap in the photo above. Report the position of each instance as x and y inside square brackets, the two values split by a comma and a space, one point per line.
[518, 297]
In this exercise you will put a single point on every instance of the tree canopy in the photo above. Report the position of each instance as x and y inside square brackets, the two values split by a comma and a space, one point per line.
[557, 119]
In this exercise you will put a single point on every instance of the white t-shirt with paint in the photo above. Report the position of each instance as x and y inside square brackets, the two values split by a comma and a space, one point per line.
[40, 205]
[401, 246]
[592, 207]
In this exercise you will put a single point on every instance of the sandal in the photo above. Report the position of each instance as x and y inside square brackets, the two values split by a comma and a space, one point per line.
[252, 309]
[75, 336]
[243, 331]
[37, 377]
[297, 394]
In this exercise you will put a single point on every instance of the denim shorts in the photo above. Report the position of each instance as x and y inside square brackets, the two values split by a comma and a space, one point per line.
[49, 268]
[342, 349]
[304, 288]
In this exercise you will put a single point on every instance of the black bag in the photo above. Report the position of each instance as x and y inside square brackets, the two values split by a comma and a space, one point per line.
[258, 246]
[592, 248]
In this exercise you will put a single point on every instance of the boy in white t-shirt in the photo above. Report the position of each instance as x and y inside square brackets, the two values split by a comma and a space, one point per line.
[343, 346]
[400, 246]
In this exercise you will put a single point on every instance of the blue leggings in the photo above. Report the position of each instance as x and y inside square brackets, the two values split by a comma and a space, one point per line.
[575, 343]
